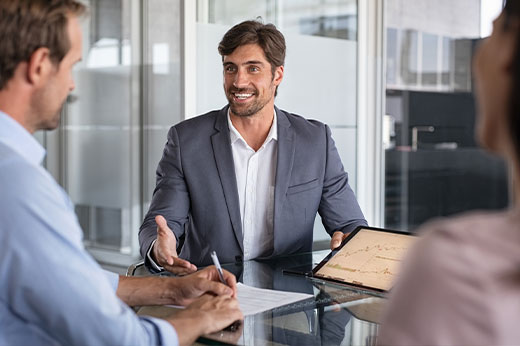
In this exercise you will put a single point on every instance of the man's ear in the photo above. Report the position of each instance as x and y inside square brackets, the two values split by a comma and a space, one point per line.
[278, 75]
[39, 66]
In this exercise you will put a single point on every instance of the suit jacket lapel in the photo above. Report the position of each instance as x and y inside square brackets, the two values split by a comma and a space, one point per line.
[284, 166]
[226, 170]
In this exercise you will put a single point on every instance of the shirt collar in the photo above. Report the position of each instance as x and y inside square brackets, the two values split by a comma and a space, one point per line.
[235, 135]
[20, 140]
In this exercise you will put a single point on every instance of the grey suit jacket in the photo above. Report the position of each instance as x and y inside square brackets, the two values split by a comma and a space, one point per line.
[197, 192]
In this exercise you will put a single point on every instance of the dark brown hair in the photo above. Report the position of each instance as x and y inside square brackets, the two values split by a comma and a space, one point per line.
[27, 25]
[266, 36]
[512, 13]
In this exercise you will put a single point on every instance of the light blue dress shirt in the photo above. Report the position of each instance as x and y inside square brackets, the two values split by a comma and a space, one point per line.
[51, 290]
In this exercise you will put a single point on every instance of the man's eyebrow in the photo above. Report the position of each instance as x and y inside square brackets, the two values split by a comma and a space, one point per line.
[250, 62]
[253, 62]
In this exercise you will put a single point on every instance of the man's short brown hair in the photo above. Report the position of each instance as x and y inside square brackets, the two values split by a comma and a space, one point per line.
[266, 36]
[27, 25]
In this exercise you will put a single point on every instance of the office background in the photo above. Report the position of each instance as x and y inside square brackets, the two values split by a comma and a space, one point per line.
[392, 78]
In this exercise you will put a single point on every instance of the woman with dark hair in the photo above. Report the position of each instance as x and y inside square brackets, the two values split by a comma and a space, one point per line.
[460, 284]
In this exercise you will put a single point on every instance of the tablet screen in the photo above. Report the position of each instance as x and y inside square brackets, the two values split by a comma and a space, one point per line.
[369, 257]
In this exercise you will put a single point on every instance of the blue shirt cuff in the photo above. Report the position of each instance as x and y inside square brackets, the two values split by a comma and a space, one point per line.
[113, 278]
[167, 332]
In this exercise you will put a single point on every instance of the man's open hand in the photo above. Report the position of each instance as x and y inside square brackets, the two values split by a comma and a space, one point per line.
[165, 250]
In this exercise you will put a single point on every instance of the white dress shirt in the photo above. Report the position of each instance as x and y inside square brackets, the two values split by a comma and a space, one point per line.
[255, 173]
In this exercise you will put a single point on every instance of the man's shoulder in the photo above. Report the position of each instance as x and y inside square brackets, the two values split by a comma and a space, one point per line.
[21, 182]
[300, 120]
[30, 195]
[14, 169]
[303, 126]
[199, 122]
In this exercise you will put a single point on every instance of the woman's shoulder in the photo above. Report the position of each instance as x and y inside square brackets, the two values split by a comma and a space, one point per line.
[449, 279]
[447, 247]
[471, 229]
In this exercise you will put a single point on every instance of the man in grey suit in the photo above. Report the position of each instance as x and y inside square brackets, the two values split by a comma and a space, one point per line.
[246, 180]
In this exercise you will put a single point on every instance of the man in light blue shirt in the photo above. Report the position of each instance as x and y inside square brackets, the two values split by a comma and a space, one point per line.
[51, 290]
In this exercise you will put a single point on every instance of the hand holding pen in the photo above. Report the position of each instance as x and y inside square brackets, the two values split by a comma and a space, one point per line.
[225, 277]
[237, 325]
[185, 289]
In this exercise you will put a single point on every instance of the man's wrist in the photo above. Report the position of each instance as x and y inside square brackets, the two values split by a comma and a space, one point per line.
[191, 322]
[151, 259]
[167, 291]
[172, 290]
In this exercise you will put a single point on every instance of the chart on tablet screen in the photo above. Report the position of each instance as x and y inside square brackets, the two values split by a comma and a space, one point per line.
[369, 259]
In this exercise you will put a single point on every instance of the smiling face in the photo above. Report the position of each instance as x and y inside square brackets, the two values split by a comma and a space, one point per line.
[249, 82]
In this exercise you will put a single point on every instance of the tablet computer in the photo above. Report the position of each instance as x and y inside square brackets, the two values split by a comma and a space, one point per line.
[369, 258]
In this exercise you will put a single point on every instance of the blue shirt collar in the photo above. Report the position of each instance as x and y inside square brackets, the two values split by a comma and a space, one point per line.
[20, 140]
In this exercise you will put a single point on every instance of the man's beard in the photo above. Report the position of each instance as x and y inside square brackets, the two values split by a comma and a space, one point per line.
[54, 122]
[51, 122]
[251, 109]
[46, 111]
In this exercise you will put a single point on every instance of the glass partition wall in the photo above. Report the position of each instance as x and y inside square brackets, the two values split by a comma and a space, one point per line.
[433, 166]
[115, 123]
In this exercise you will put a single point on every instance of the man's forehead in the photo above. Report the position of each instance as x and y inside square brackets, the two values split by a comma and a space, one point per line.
[248, 53]
[75, 37]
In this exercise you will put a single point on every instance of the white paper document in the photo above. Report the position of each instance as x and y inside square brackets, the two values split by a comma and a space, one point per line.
[254, 300]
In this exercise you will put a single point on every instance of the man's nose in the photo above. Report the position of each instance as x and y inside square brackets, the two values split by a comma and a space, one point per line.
[241, 80]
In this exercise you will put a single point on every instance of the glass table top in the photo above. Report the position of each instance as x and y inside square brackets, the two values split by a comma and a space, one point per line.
[335, 315]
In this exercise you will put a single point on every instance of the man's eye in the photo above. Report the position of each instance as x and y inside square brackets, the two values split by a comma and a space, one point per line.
[229, 69]
[254, 69]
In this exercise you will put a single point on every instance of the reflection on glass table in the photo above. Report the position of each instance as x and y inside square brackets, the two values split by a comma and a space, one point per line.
[335, 315]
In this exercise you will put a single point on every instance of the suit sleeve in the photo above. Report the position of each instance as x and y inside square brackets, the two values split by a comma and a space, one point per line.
[170, 197]
[338, 208]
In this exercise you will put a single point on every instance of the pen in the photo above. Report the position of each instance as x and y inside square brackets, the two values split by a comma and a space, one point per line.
[219, 268]
[233, 327]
